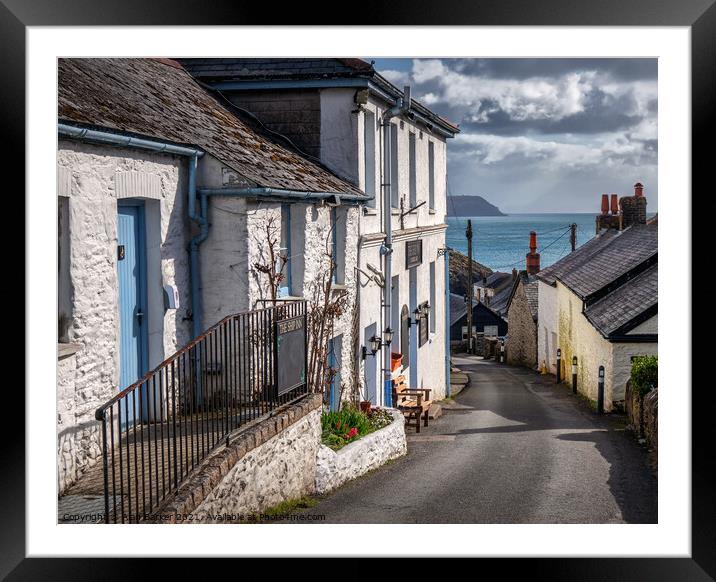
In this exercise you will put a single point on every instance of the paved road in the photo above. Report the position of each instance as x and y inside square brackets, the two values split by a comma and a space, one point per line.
[513, 448]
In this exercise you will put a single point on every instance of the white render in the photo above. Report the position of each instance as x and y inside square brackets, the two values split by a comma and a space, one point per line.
[343, 150]
[334, 468]
[90, 376]
[547, 328]
[92, 178]
[560, 311]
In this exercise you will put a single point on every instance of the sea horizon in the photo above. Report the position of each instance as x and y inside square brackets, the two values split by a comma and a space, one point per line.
[501, 242]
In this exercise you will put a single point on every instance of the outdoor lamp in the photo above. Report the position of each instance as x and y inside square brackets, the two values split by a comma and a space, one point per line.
[601, 373]
[574, 365]
[426, 309]
[418, 314]
[559, 353]
[388, 335]
[375, 344]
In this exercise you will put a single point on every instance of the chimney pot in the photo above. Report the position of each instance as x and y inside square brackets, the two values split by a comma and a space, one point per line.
[638, 189]
[605, 204]
[532, 262]
[615, 204]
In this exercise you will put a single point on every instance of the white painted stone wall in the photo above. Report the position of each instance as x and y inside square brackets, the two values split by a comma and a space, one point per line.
[334, 468]
[343, 149]
[281, 469]
[546, 326]
[651, 325]
[91, 376]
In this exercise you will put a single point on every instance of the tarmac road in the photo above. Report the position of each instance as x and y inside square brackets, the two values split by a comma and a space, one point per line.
[512, 448]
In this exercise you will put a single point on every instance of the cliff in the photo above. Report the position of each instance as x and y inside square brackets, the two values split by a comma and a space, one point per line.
[472, 206]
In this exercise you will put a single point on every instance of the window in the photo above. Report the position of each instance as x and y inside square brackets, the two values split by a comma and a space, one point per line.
[413, 172]
[64, 284]
[431, 175]
[394, 167]
[338, 245]
[284, 261]
[369, 155]
[432, 296]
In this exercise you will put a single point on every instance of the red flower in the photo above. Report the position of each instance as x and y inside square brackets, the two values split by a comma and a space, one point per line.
[353, 432]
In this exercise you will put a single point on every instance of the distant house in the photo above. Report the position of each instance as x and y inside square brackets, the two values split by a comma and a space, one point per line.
[521, 309]
[521, 347]
[494, 291]
[149, 166]
[485, 321]
[600, 302]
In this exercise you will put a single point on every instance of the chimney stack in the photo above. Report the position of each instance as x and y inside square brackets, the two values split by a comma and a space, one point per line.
[633, 208]
[605, 204]
[615, 205]
[533, 256]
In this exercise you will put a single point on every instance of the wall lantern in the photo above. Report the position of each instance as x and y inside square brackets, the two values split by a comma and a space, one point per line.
[426, 310]
[375, 344]
[388, 336]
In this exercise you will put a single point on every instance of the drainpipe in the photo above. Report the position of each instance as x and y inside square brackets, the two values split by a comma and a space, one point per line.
[448, 388]
[400, 108]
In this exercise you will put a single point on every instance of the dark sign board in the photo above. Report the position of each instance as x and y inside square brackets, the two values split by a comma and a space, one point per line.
[413, 253]
[290, 353]
[422, 327]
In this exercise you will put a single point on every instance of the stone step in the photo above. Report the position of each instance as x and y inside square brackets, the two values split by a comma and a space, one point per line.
[435, 411]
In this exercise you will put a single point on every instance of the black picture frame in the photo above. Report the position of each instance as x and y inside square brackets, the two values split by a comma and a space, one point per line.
[700, 15]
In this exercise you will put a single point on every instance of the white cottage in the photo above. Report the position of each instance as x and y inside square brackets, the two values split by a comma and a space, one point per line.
[164, 198]
[600, 303]
[335, 110]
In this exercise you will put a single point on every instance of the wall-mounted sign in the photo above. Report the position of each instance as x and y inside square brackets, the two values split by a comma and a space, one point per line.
[413, 253]
[290, 353]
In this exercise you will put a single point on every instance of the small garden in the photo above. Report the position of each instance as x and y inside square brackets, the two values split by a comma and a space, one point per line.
[644, 374]
[344, 426]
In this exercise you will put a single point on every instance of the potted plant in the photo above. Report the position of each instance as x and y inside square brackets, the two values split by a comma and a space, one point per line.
[365, 406]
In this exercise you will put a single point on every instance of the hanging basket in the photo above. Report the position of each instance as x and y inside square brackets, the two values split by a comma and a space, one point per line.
[396, 361]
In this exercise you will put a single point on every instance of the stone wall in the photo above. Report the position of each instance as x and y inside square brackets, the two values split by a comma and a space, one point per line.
[547, 328]
[268, 463]
[643, 415]
[522, 343]
[333, 468]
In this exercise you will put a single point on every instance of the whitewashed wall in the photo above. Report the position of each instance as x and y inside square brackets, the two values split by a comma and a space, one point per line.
[86, 379]
[546, 326]
[341, 124]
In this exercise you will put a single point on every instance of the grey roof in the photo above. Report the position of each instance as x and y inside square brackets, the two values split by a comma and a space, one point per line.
[603, 259]
[159, 99]
[458, 307]
[273, 68]
[238, 70]
[626, 304]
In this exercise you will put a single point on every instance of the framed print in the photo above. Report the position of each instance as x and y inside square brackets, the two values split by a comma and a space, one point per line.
[271, 239]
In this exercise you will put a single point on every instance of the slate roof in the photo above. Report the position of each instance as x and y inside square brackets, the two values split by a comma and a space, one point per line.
[458, 307]
[273, 68]
[265, 69]
[157, 98]
[530, 285]
[626, 304]
[603, 259]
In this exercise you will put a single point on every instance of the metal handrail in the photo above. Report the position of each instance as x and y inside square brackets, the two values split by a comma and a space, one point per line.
[188, 406]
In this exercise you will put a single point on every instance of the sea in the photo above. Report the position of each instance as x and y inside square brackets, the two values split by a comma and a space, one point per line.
[501, 242]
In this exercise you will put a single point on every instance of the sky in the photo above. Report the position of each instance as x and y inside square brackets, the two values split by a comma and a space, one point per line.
[542, 135]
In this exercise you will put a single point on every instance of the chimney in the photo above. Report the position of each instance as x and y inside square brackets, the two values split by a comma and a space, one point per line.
[605, 204]
[633, 208]
[533, 255]
[615, 205]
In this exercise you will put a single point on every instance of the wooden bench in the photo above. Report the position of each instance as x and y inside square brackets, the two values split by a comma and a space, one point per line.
[413, 403]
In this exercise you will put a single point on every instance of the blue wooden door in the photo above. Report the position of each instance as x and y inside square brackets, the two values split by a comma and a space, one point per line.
[413, 342]
[131, 270]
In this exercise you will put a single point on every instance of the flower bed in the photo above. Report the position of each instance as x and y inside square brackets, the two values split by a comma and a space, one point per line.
[360, 454]
[344, 426]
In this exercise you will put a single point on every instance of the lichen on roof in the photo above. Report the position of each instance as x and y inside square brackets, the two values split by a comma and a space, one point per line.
[157, 98]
